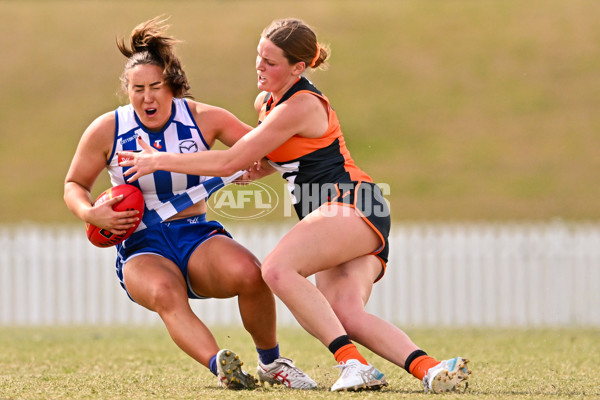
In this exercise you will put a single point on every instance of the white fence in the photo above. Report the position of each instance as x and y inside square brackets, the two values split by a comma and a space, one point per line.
[545, 274]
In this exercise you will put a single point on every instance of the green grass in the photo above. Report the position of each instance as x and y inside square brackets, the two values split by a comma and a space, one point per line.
[143, 363]
[470, 110]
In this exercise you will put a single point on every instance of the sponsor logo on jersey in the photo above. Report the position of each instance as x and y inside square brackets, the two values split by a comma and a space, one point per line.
[129, 139]
[188, 146]
[193, 220]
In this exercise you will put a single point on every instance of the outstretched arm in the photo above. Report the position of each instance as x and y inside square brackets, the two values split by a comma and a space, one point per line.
[207, 163]
[295, 116]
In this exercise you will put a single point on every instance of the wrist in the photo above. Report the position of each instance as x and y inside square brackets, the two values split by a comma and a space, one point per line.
[84, 211]
[161, 161]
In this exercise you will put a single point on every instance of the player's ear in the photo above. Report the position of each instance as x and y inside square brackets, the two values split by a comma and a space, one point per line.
[299, 68]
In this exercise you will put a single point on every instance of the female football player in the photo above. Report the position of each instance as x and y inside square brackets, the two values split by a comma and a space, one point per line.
[162, 266]
[342, 234]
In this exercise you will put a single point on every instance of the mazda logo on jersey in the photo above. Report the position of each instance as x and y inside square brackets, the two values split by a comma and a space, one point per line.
[188, 146]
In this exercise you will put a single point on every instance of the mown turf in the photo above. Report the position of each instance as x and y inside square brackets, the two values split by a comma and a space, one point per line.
[143, 363]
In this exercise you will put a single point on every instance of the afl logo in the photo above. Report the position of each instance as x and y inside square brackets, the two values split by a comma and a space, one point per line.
[188, 146]
[252, 201]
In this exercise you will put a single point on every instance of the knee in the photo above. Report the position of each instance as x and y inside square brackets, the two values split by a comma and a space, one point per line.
[252, 277]
[271, 275]
[164, 296]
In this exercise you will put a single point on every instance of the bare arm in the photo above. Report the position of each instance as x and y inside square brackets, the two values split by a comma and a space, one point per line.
[303, 114]
[216, 123]
[88, 162]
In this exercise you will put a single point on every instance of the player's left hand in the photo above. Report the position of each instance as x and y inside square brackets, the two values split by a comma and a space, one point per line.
[250, 175]
[139, 163]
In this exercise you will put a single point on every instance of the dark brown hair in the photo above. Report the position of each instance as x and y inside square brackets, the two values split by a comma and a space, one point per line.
[297, 40]
[150, 45]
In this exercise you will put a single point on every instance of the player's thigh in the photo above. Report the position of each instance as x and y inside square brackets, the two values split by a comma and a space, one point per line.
[221, 267]
[150, 277]
[323, 240]
[349, 285]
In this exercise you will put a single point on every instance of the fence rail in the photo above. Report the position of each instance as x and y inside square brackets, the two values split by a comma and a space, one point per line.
[544, 274]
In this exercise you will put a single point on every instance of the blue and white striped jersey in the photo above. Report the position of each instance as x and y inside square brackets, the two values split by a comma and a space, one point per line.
[180, 135]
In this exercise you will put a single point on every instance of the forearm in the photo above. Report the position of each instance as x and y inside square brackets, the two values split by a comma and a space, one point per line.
[78, 200]
[206, 163]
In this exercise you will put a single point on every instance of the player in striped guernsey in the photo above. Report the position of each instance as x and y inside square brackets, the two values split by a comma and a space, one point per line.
[164, 264]
[344, 221]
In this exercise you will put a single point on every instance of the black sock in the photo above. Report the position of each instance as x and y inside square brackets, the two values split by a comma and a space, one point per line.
[415, 354]
[338, 343]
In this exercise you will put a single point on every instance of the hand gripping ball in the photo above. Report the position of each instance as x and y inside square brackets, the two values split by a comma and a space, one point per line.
[132, 200]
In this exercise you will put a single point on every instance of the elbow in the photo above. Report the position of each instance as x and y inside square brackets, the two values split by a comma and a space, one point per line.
[232, 165]
[67, 191]
[230, 168]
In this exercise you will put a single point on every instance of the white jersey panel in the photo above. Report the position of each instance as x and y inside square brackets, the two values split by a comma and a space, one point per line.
[180, 135]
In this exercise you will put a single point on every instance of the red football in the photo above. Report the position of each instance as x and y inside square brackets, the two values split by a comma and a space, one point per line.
[132, 200]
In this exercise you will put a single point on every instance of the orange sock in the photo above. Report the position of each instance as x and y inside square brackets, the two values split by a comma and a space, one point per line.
[349, 352]
[420, 365]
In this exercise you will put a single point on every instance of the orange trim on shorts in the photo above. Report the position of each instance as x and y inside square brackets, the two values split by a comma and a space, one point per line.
[364, 218]
[337, 188]
[376, 252]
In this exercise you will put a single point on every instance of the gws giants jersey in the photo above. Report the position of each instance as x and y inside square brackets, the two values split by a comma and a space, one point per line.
[306, 161]
[180, 135]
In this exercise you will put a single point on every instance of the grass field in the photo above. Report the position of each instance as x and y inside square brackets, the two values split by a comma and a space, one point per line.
[142, 363]
[470, 110]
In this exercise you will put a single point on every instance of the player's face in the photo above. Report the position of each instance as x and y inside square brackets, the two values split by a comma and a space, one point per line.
[275, 73]
[149, 95]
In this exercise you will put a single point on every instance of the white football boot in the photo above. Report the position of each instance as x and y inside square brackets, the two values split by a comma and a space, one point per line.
[282, 371]
[355, 375]
[446, 376]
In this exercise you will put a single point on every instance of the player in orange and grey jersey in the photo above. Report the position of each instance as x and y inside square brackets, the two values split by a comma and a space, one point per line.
[321, 171]
[341, 237]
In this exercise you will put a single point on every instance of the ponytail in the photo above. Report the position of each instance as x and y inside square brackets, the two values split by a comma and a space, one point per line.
[148, 44]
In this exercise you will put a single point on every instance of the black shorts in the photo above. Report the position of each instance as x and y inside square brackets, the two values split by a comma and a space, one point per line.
[365, 198]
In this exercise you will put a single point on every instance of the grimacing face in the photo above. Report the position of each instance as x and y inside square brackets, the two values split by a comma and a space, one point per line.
[149, 95]
[275, 73]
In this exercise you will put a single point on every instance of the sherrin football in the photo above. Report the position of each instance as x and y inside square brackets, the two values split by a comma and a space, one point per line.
[132, 200]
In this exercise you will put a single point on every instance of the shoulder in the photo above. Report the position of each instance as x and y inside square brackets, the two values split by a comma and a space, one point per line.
[217, 123]
[206, 113]
[204, 110]
[305, 101]
[100, 134]
[104, 124]
[260, 99]
[306, 112]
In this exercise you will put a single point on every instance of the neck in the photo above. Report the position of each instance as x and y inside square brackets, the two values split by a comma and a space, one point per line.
[280, 93]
